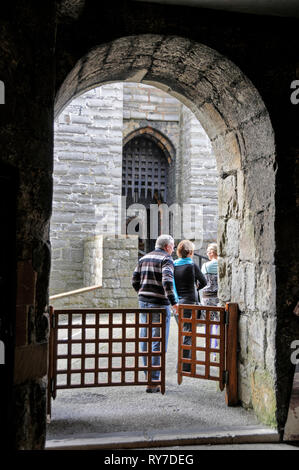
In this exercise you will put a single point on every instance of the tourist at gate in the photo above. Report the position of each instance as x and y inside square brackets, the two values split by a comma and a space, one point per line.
[153, 280]
[209, 296]
[188, 280]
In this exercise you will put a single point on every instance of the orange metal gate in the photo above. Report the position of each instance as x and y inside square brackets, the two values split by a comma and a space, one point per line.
[207, 346]
[100, 348]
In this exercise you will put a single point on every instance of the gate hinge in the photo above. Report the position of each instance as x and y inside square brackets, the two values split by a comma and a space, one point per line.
[225, 377]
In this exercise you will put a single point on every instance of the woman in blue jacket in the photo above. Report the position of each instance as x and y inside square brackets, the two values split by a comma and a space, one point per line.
[188, 278]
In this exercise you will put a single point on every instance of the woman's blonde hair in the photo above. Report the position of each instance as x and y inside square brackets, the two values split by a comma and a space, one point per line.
[184, 248]
[212, 247]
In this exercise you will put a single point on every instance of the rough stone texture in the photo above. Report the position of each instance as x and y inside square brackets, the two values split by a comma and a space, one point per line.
[93, 261]
[224, 104]
[151, 104]
[199, 178]
[31, 428]
[27, 37]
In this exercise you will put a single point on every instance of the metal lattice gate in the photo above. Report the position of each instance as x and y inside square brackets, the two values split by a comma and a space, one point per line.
[100, 348]
[144, 170]
[144, 181]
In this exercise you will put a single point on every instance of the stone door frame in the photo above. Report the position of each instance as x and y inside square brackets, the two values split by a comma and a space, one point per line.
[237, 122]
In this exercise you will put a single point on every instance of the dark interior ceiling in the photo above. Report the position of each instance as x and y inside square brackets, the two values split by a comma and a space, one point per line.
[289, 8]
[70, 10]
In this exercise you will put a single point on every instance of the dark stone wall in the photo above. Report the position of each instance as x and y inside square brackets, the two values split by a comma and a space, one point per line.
[264, 48]
[27, 32]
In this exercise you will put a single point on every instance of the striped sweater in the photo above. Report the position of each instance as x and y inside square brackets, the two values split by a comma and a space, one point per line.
[153, 278]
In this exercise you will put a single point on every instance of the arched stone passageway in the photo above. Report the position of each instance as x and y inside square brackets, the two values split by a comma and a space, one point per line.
[235, 118]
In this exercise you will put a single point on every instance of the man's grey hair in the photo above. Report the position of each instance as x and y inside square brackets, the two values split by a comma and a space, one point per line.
[163, 240]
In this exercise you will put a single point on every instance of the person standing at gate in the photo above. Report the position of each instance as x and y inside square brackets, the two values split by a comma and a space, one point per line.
[153, 280]
[188, 280]
[210, 271]
[210, 291]
[187, 275]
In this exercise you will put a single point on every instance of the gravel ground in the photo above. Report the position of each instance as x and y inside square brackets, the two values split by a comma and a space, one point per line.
[194, 405]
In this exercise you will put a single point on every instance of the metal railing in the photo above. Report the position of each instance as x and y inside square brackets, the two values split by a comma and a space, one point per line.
[200, 259]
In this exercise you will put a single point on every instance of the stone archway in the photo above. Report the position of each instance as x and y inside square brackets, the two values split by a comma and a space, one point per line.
[235, 118]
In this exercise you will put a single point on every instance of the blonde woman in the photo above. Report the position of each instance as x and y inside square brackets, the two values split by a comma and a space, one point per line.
[210, 271]
[186, 275]
[209, 296]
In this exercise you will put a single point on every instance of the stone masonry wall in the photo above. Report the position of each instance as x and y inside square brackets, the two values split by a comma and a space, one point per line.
[27, 38]
[199, 177]
[87, 179]
[93, 261]
[88, 176]
[119, 258]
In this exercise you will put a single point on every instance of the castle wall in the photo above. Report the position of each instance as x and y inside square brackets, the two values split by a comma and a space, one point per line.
[88, 147]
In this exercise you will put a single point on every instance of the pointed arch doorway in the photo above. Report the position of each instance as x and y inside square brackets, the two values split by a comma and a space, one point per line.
[146, 181]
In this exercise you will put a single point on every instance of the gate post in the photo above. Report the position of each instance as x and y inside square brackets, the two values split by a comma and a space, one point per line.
[231, 389]
[50, 362]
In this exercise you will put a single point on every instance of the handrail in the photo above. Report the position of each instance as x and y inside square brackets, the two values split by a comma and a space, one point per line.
[200, 259]
[77, 291]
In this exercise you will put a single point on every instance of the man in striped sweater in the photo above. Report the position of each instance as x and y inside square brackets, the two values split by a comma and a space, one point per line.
[153, 281]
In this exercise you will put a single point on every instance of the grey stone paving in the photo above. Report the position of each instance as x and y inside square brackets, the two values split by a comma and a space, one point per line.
[195, 405]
